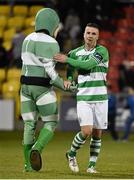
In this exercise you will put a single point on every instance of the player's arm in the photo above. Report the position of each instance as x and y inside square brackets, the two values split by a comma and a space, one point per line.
[90, 61]
[87, 62]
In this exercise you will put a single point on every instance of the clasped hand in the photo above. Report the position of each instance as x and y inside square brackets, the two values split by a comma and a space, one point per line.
[70, 86]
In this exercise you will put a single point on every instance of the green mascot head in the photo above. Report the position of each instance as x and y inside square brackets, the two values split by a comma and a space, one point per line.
[48, 19]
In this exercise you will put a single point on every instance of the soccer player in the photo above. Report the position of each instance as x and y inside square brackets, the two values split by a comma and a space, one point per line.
[37, 95]
[91, 62]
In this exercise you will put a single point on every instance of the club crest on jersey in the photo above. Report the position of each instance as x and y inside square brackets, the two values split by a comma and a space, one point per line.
[98, 57]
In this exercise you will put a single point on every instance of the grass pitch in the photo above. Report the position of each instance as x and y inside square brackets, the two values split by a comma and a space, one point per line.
[116, 160]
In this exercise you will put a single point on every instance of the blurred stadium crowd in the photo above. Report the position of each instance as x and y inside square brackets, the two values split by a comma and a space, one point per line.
[116, 19]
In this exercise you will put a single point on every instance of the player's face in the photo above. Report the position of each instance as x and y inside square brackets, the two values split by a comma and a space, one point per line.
[91, 35]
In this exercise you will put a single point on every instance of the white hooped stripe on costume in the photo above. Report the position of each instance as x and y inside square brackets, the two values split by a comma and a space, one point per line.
[29, 116]
[24, 98]
[40, 37]
[48, 98]
[53, 117]
[35, 60]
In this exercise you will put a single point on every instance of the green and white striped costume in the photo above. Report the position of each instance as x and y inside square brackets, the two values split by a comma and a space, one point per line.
[37, 52]
[38, 98]
[92, 69]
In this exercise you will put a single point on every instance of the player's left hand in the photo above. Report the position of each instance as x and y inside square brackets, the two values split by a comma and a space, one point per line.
[60, 58]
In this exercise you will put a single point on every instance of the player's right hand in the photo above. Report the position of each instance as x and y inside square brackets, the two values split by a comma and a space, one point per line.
[60, 58]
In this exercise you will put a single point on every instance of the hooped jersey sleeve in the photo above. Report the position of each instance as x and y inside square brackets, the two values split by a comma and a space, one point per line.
[88, 62]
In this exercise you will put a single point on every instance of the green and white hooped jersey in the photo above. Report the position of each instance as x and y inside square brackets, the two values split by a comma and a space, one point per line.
[92, 67]
[38, 49]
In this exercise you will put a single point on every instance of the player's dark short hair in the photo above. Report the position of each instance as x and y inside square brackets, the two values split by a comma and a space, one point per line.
[93, 25]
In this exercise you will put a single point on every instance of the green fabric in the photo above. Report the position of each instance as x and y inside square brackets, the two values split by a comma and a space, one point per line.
[86, 62]
[82, 64]
[43, 139]
[72, 153]
[41, 49]
[48, 109]
[92, 83]
[77, 142]
[92, 97]
[70, 73]
[58, 82]
[51, 125]
[46, 49]
[36, 71]
[29, 132]
[27, 149]
[47, 19]
[95, 146]
[91, 164]
[82, 136]
[92, 68]
[96, 138]
[27, 106]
